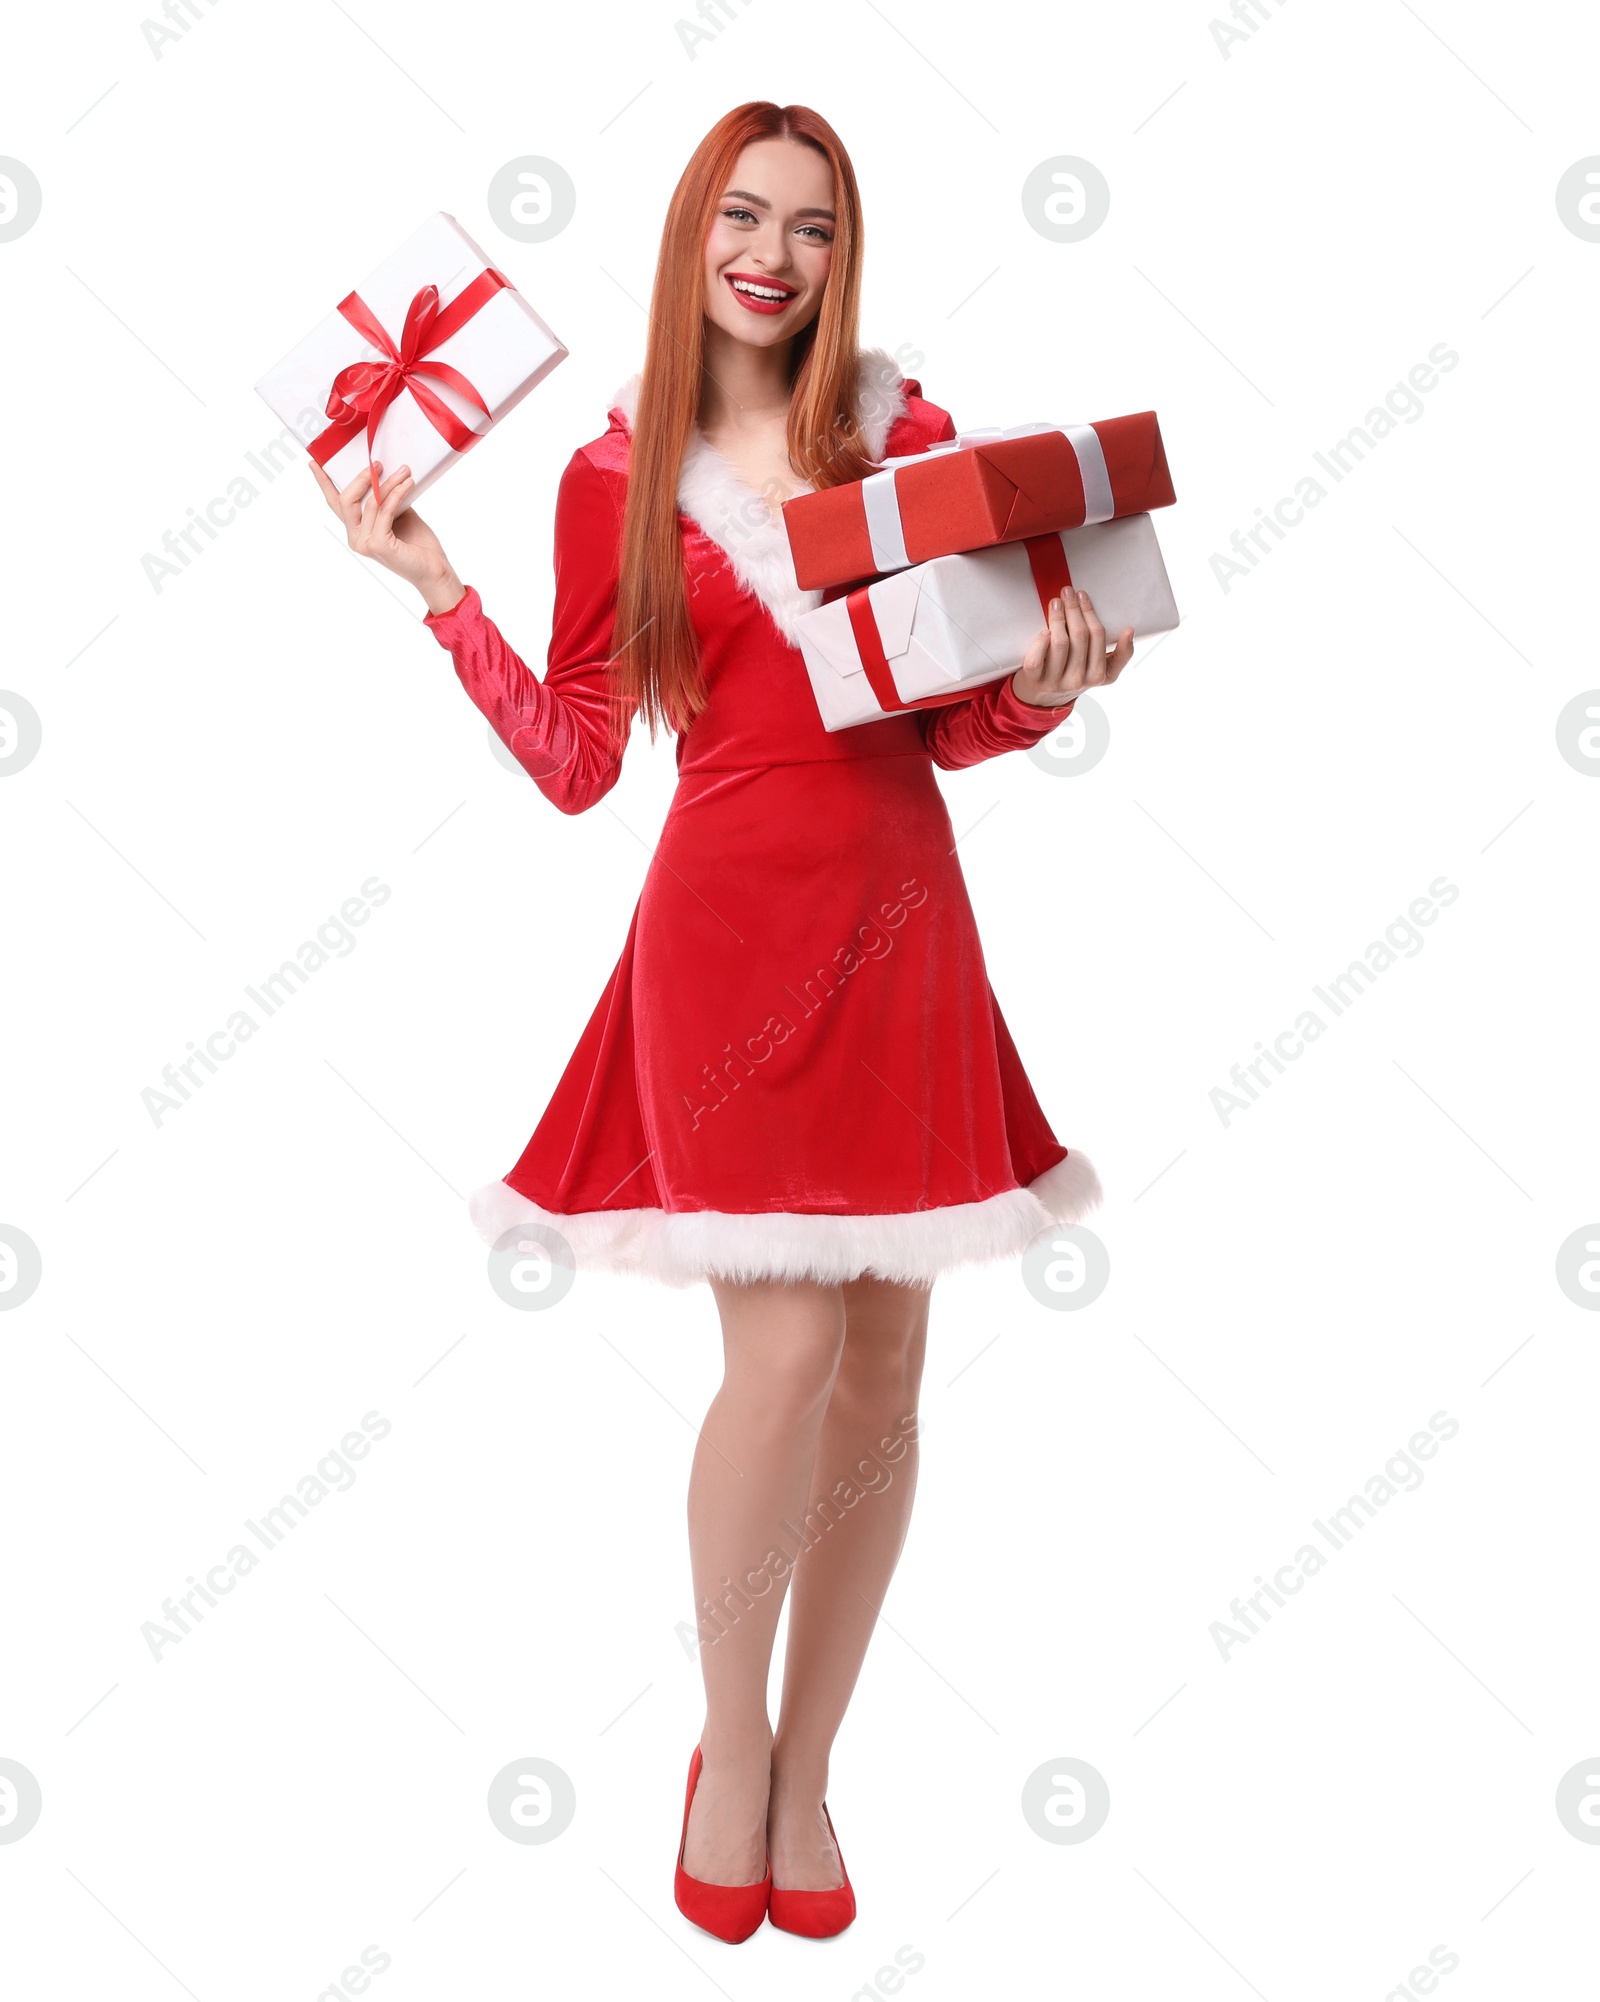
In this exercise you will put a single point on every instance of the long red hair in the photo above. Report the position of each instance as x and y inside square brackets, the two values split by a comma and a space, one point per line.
[656, 662]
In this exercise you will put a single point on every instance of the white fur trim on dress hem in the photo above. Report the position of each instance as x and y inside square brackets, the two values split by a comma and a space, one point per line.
[679, 1248]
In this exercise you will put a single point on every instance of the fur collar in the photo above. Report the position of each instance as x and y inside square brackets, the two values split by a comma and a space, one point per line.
[735, 517]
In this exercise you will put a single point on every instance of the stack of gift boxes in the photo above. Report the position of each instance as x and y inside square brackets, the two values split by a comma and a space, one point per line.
[937, 570]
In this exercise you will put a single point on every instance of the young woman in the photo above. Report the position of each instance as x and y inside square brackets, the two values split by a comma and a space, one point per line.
[797, 1084]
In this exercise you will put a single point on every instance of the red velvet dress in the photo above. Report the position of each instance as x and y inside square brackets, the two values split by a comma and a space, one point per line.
[797, 1068]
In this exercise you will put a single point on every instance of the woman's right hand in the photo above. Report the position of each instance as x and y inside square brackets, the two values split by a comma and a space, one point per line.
[383, 527]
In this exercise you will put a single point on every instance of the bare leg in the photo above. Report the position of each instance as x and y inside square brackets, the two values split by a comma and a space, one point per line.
[752, 1473]
[867, 1463]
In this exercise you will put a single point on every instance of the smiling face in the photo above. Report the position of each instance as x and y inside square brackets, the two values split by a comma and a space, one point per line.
[771, 243]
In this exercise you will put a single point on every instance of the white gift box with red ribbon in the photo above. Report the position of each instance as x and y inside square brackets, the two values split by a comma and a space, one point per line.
[934, 633]
[430, 351]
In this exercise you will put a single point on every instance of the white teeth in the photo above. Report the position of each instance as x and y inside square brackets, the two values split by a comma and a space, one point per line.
[757, 291]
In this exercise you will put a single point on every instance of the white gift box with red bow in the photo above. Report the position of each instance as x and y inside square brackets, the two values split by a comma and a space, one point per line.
[934, 633]
[429, 351]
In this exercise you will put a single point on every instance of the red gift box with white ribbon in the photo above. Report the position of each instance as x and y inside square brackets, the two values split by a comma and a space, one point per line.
[933, 633]
[978, 489]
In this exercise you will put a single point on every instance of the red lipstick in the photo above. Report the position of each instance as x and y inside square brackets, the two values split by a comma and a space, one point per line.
[735, 280]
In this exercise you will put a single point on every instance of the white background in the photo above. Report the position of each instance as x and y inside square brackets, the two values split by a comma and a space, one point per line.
[1293, 226]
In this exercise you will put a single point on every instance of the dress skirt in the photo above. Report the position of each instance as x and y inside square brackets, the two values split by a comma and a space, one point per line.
[798, 1068]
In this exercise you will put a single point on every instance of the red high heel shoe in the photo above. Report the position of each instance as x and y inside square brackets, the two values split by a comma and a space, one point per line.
[731, 1912]
[815, 1914]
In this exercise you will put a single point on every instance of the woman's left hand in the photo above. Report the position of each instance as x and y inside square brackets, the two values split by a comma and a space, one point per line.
[1070, 655]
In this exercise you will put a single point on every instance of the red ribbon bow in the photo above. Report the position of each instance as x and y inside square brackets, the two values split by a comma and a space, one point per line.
[362, 392]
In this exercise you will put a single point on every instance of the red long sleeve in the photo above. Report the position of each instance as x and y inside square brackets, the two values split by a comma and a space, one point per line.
[567, 732]
[990, 721]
